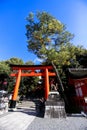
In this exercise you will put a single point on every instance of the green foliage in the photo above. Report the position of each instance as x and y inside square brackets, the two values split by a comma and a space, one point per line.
[15, 60]
[29, 63]
[4, 68]
[40, 34]
[49, 39]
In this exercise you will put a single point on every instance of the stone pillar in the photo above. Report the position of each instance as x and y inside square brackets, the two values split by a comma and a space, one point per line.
[55, 106]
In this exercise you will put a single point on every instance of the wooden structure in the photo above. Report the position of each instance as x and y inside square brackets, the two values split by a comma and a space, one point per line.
[78, 80]
[30, 70]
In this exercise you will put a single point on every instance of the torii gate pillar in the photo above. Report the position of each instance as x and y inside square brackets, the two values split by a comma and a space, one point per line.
[15, 92]
[46, 83]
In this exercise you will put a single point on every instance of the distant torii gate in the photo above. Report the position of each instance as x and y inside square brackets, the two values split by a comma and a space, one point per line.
[18, 72]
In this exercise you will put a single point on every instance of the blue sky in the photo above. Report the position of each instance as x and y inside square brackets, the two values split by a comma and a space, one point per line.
[13, 15]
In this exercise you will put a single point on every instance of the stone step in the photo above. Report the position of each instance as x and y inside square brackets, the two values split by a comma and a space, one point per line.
[26, 104]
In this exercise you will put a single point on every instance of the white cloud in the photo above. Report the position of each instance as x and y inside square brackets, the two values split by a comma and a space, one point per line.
[37, 60]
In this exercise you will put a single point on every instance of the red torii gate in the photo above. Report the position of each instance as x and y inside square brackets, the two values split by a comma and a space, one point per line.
[46, 72]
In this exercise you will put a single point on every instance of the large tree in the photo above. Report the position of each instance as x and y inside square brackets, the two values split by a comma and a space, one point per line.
[47, 36]
[49, 39]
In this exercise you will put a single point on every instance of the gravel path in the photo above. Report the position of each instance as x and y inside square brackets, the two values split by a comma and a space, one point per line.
[75, 122]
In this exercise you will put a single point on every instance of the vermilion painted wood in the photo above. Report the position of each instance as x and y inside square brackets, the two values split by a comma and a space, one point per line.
[46, 83]
[33, 71]
[15, 93]
[31, 68]
[33, 74]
